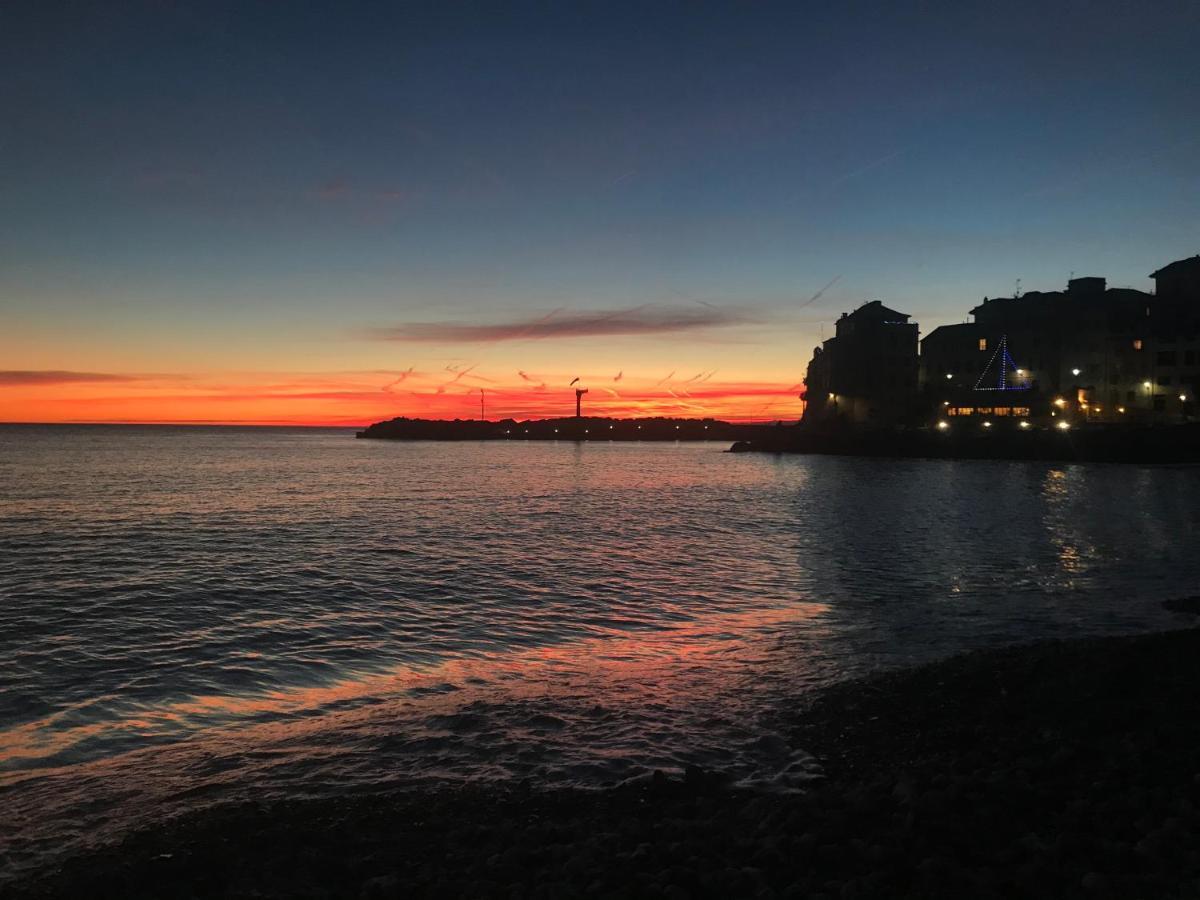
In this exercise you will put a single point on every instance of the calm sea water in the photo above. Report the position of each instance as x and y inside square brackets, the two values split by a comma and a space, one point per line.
[195, 614]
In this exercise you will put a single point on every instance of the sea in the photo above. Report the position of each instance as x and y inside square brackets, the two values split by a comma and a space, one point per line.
[199, 615]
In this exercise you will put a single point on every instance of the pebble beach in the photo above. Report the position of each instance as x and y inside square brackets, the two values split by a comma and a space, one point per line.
[1057, 769]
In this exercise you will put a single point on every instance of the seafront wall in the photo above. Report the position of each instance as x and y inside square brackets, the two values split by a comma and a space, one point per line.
[1179, 444]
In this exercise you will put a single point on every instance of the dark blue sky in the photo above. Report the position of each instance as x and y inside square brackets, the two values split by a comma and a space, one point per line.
[210, 181]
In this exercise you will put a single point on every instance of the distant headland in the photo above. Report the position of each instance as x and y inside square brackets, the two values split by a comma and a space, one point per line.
[572, 428]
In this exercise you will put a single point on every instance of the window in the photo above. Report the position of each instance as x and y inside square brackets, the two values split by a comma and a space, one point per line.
[1164, 380]
[983, 343]
[1166, 358]
[1137, 343]
[1020, 410]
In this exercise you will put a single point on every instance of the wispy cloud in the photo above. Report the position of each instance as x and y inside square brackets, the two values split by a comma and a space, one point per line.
[401, 378]
[817, 296]
[332, 189]
[560, 325]
[61, 376]
[864, 169]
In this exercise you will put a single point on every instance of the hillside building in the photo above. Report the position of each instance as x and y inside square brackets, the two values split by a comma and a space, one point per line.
[865, 374]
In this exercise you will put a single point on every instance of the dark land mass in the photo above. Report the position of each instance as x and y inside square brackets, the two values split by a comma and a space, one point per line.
[582, 428]
[1064, 769]
[1004, 440]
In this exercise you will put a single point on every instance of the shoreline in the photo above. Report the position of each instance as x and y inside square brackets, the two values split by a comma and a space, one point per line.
[1167, 444]
[1056, 769]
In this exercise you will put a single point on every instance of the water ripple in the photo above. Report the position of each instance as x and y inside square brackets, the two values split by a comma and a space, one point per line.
[191, 614]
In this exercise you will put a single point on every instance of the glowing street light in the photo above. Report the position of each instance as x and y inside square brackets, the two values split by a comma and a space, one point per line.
[1147, 385]
[949, 376]
[1024, 424]
[987, 424]
[1075, 371]
[1063, 426]
[942, 426]
[1183, 398]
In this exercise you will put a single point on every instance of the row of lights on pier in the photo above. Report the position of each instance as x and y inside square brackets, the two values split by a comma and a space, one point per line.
[585, 431]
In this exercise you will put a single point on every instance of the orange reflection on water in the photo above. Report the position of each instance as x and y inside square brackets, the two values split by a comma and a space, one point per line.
[665, 667]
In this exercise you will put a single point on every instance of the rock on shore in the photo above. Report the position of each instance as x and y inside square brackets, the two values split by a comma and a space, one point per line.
[1064, 769]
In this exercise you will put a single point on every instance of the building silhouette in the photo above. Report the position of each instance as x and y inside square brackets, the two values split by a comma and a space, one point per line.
[1089, 353]
[866, 373]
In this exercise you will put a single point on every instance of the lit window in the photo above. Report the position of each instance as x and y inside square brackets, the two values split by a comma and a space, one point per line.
[983, 343]
[1137, 343]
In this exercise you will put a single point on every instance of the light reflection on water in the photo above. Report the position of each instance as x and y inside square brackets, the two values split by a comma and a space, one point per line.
[208, 611]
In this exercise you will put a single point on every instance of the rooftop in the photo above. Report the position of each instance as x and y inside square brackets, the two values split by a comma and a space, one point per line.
[1192, 262]
[876, 310]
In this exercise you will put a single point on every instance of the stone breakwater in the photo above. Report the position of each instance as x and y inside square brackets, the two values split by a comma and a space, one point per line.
[583, 428]
[1063, 769]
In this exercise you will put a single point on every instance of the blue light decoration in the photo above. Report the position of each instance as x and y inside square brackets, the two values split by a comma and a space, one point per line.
[1006, 363]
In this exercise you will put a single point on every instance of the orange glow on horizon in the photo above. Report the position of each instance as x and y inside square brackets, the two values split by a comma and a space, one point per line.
[360, 398]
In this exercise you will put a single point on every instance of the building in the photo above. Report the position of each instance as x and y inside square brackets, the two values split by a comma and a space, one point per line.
[866, 373]
[1174, 317]
[1089, 353]
[1085, 352]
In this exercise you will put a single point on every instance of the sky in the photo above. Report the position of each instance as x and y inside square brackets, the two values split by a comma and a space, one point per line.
[334, 213]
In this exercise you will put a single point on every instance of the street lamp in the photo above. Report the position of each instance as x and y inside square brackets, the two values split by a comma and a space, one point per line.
[1075, 372]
